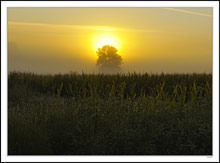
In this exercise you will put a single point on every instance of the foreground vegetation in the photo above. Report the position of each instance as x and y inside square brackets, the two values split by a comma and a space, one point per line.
[131, 114]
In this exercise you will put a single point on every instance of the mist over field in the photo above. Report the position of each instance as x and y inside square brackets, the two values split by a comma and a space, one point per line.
[153, 40]
[110, 81]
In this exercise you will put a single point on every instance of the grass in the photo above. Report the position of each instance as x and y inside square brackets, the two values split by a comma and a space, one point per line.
[133, 114]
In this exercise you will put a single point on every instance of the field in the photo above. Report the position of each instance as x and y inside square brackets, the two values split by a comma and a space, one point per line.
[132, 114]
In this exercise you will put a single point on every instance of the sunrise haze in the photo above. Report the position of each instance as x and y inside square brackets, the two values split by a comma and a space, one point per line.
[153, 40]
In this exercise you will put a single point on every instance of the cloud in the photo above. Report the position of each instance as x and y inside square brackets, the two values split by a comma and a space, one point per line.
[188, 12]
[83, 27]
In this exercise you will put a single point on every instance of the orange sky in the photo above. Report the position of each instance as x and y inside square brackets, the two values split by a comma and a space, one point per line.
[54, 40]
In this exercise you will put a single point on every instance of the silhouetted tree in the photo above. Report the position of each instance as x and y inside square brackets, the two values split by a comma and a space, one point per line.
[109, 60]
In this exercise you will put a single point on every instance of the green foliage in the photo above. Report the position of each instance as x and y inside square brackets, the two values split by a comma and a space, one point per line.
[59, 91]
[146, 114]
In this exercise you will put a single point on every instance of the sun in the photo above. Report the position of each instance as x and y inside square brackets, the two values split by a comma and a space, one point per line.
[106, 39]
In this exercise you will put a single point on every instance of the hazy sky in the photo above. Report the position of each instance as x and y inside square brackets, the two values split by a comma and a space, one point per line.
[54, 40]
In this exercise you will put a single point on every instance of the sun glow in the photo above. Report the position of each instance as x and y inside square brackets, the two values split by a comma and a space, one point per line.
[106, 39]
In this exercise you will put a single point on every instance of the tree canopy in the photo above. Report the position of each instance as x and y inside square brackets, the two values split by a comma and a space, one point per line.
[108, 59]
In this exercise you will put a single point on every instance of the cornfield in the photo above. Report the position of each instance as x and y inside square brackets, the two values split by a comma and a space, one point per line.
[97, 114]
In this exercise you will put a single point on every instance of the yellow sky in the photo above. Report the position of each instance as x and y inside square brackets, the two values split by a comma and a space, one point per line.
[53, 40]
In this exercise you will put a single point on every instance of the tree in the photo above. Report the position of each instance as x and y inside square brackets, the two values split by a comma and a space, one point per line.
[109, 60]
